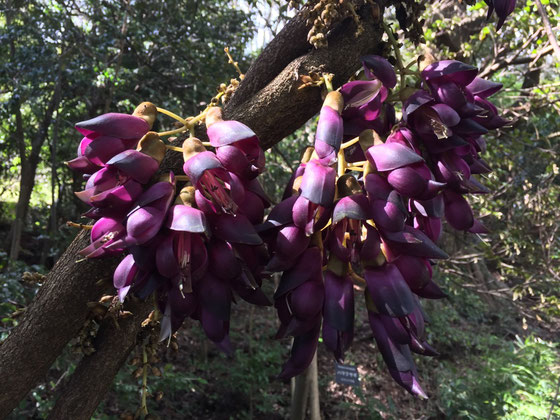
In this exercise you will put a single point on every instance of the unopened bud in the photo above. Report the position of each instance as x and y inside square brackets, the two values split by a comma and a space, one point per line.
[186, 196]
[306, 157]
[191, 147]
[370, 138]
[152, 145]
[296, 185]
[335, 101]
[213, 115]
[147, 111]
[347, 185]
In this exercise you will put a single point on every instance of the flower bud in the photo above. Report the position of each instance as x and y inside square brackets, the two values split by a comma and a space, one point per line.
[147, 111]
[186, 196]
[213, 115]
[191, 147]
[152, 145]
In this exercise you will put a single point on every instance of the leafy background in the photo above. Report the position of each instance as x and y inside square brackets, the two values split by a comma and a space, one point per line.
[497, 332]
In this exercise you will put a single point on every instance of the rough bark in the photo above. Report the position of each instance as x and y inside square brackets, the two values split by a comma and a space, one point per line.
[55, 316]
[58, 311]
[113, 345]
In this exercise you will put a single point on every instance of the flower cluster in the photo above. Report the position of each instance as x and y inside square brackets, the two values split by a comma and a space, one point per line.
[194, 247]
[363, 209]
[369, 211]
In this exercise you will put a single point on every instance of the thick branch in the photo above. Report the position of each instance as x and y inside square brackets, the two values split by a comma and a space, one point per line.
[94, 375]
[55, 316]
[58, 311]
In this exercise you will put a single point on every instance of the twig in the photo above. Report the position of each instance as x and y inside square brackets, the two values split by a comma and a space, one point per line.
[548, 29]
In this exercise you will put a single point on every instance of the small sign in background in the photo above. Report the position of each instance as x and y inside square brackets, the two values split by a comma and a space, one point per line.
[347, 375]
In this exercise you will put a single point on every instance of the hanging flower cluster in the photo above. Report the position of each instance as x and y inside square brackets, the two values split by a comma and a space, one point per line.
[365, 207]
[369, 211]
[194, 248]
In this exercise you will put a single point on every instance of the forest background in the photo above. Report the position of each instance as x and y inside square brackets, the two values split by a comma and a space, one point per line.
[497, 333]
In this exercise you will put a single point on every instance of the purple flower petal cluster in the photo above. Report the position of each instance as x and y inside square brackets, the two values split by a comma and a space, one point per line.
[378, 229]
[366, 214]
[194, 249]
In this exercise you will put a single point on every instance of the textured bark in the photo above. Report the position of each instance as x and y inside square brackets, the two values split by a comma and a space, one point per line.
[58, 311]
[55, 316]
[287, 107]
[113, 345]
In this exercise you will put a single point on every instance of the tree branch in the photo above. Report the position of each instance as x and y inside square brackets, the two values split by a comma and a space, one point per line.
[548, 29]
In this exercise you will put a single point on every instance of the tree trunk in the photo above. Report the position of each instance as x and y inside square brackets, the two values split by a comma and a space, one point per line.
[26, 184]
[54, 317]
[305, 393]
[113, 345]
[314, 402]
[30, 163]
[59, 309]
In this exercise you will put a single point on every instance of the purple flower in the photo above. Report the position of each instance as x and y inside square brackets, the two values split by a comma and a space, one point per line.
[338, 313]
[328, 136]
[215, 186]
[503, 9]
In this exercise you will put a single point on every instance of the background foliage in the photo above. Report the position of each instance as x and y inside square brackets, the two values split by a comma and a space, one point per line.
[497, 332]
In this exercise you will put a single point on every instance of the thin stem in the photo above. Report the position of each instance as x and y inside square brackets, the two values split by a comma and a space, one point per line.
[144, 406]
[182, 178]
[235, 63]
[360, 163]
[173, 115]
[350, 143]
[341, 169]
[355, 168]
[395, 46]
[174, 148]
[327, 77]
[79, 225]
[177, 131]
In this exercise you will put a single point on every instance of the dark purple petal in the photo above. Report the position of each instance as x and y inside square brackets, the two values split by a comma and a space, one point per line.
[456, 71]
[352, 207]
[389, 214]
[483, 88]
[82, 164]
[396, 356]
[338, 311]
[308, 266]
[380, 68]
[125, 272]
[416, 271]
[413, 242]
[235, 228]
[166, 261]
[306, 300]
[318, 183]
[123, 126]
[303, 350]
[222, 133]
[458, 212]
[328, 135]
[431, 291]
[103, 148]
[135, 164]
[360, 92]
[387, 157]
[389, 291]
[198, 164]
